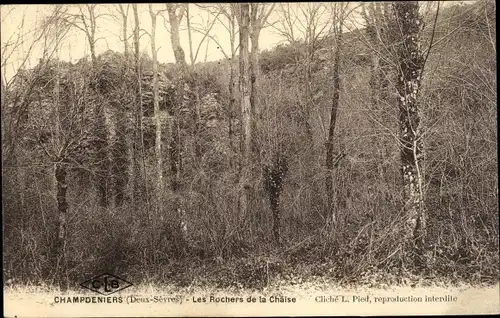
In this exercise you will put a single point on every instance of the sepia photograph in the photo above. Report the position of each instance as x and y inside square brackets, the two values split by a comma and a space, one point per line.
[249, 159]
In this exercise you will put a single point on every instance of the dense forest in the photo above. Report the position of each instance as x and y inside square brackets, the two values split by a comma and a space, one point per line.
[362, 149]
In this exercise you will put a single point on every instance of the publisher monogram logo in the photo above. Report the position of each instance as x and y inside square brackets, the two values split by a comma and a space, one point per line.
[106, 284]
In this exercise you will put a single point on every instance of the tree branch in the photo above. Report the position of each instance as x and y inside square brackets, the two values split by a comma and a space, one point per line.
[432, 36]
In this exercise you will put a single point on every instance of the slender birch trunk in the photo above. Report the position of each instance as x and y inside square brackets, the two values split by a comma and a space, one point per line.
[246, 112]
[175, 142]
[139, 140]
[156, 106]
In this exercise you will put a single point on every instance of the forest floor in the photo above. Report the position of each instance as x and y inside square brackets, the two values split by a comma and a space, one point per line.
[317, 297]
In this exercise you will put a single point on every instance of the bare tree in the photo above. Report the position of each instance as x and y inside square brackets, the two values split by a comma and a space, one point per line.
[124, 16]
[246, 113]
[64, 119]
[175, 15]
[19, 94]
[287, 22]
[86, 21]
[138, 169]
[70, 136]
[339, 12]
[156, 105]
[409, 81]
[11, 129]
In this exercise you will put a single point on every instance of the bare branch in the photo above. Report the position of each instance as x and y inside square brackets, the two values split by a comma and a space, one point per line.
[432, 36]
[205, 36]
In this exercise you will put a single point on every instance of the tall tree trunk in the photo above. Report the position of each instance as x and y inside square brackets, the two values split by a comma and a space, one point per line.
[246, 131]
[61, 187]
[175, 142]
[125, 42]
[125, 34]
[179, 55]
[410, 70]
[156, 105]
[254, 71]
[330, 215]
[254, 62]
[93, 56]
[60, 174]
[139, 140]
